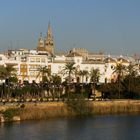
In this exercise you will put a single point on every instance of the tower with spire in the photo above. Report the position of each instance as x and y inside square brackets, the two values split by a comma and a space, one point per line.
[49, 43]
[46, 44]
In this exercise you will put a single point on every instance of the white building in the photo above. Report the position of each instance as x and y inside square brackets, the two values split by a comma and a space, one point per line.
[28, 62]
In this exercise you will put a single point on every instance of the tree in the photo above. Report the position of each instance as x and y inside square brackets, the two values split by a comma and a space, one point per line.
[45, 73]
[13, 80]
[56, 79]
[130, 79]
[5, 74]
[69, 69]
[119, 70]
[83, 73]
[109, 90]
[94, 74]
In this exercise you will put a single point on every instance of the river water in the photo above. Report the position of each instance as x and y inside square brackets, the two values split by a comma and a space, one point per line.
[89, 128]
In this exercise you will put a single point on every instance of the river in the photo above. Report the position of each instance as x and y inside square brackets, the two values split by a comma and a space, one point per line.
[89, 128]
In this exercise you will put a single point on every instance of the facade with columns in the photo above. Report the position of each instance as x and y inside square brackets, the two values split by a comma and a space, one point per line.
[28, 62]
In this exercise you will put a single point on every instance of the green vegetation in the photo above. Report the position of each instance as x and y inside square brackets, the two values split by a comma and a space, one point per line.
[45, 73]
[76, 107]
[125, 87]
[69, 69]
[11, 112]
[73, 97]
[79, 105]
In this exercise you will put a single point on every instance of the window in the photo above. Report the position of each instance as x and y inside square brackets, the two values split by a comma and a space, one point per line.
[37, 66]
[37, 59]
[112, 67]
[32, 59]
[43, 60]
[32, 73]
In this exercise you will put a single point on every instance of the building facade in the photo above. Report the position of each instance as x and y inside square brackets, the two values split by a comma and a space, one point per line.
[28, 62]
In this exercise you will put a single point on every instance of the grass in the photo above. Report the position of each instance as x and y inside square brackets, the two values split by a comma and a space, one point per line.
[72, 108]
[116, 107]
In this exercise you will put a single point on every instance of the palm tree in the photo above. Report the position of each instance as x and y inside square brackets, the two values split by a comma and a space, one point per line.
[2, 77]
[94, 74]
[131, 75]
[6, 73]
[120, 71]
[45, 73]
[56, 82]
[69, 69]
[83, 73]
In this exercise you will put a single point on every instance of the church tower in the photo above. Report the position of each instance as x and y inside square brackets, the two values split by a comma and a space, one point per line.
[49, 43]
[40, 46]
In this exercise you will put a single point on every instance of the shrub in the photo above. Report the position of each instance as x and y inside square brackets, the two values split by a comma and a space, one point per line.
[79, 105]
[11, 112]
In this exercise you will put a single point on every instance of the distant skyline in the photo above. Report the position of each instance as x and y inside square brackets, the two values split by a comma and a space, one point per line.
[112, 26]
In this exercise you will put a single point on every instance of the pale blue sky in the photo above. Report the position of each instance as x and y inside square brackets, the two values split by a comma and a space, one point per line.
[112, 26]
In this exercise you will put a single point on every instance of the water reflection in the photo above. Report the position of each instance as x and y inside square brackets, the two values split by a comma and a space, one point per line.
[95, 128]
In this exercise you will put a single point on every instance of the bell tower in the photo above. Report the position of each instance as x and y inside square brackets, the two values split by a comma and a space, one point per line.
[40, 46]
[49, 43]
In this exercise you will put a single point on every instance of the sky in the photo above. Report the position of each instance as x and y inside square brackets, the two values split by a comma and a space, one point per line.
[111, 26]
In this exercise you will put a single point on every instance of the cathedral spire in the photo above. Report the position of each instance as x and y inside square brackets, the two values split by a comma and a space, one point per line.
[49, 32]
[49, 43]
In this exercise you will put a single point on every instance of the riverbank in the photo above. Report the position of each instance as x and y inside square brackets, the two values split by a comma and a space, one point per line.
[36, 111]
